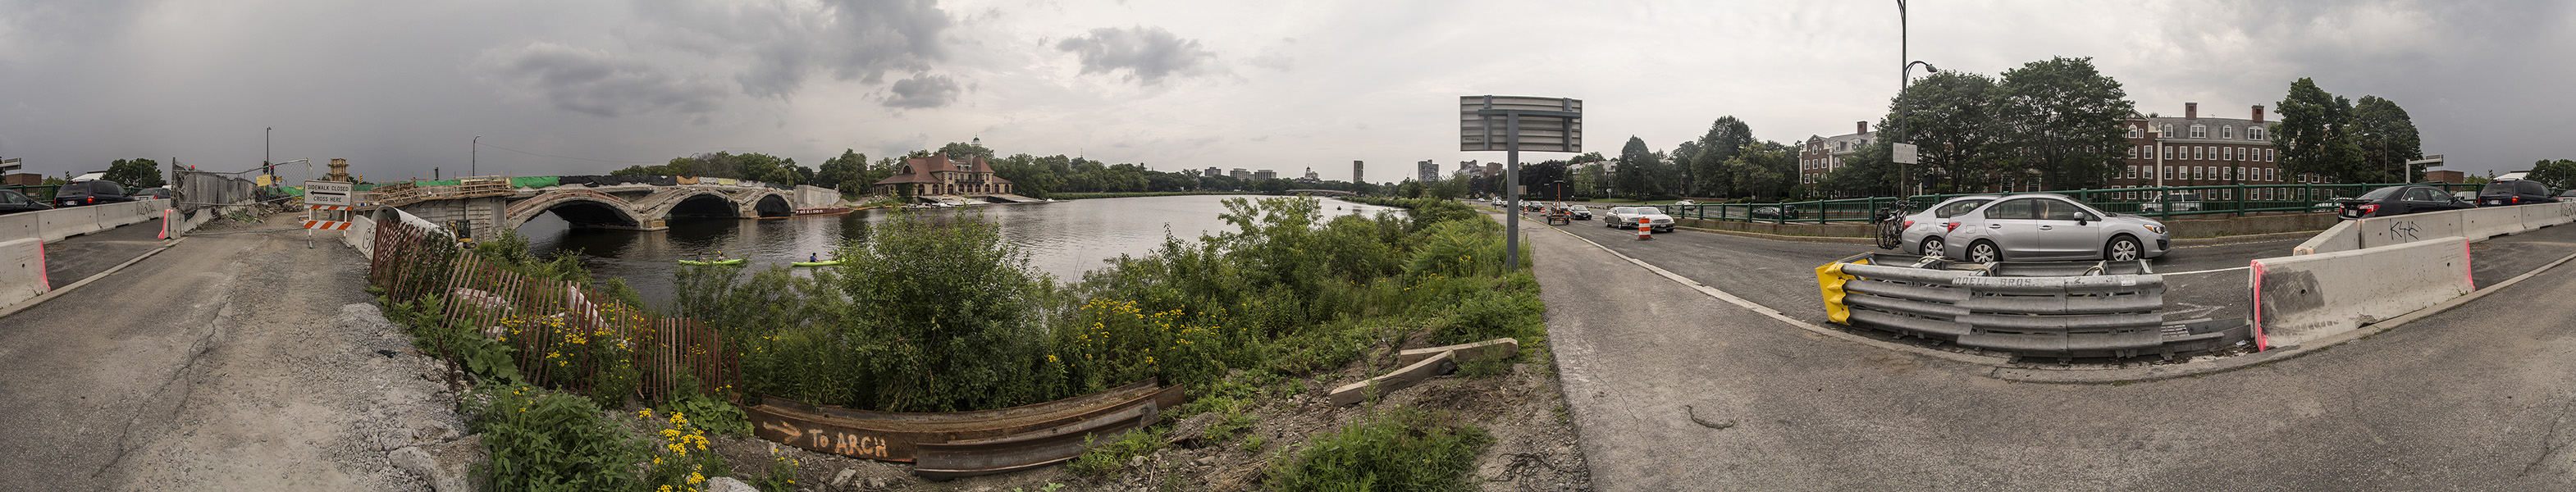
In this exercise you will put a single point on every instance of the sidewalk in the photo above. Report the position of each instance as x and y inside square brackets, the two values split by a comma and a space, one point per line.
[79, 257]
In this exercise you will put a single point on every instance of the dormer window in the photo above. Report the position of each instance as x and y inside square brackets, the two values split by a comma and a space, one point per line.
[2254, 133]
[2199, 131]
[2168, 130]
[2227, 132]
[1842, 146]
[2134, 132]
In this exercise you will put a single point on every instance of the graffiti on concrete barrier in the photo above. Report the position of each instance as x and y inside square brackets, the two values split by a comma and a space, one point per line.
[2403, 228]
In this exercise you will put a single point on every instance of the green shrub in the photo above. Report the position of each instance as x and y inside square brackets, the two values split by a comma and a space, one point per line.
[543, 441]
[1495, 312]
[1105, 457]
[1396, 449]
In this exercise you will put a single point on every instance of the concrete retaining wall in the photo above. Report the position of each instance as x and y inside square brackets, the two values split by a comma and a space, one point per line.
[360, 236]
[2476, 224]
[2304, 298]
[22, 270]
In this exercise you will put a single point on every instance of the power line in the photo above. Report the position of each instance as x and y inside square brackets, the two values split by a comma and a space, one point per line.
[573, 158]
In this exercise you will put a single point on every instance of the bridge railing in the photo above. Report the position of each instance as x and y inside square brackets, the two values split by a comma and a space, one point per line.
[2164, 202]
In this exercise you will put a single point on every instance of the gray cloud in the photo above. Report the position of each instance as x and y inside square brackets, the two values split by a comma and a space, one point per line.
[923, 91]
[596, 83]
[786, 45]
[1147, 54]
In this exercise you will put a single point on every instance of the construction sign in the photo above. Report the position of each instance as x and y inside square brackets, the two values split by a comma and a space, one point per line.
[328, 217]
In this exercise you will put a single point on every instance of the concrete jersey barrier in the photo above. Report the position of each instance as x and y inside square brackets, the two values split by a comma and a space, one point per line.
[2475, 224]
[2303, 298]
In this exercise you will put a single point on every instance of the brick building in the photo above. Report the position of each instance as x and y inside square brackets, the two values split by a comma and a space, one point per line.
[937, 175]
[1823, 155]
[2195, 151]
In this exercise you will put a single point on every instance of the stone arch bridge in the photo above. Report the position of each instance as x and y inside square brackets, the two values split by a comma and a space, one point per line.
[632, 207]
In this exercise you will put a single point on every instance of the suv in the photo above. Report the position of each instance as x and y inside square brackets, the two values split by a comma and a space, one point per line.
[2514, 192]
[1626, 218]
[90, 192]
[2183, 201]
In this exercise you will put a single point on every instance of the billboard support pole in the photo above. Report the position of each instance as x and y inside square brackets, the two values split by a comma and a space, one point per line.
[1511, 187]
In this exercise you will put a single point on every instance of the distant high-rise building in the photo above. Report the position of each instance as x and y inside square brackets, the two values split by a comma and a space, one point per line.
[1214, 172]
[1430, 171]
[1240, 173]
[1493, 170]
[1356, 174]
[1265, 174]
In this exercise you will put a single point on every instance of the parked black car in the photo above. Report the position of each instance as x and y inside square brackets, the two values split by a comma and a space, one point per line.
[152, 193]
[12, 202]
[2400, 200]
[2514, 192]
[90, 192]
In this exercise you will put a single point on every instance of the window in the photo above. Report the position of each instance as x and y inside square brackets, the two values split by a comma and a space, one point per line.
[2134, 132]
[2227, 132]
[2200, 172]
[2025, 209]
[2169, 173]
[2271, 174]
[2168, 130]
[2270, 156]
[2199, 131]
[2133, 172]
[2133, 152]
[2254, 132]
[2197, 152]
[1842, 146]
[2057, 210]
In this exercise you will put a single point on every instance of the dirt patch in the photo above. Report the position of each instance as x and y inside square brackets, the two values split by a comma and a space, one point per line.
[1534, 447]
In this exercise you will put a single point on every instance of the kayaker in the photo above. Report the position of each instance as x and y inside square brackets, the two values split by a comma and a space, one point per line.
[814, 257]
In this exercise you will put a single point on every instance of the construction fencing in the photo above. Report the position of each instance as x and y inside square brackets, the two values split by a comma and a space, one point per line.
[561, 334]
[198, 190]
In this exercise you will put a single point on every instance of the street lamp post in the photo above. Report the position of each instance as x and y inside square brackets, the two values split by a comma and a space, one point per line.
[1904, 76]
[474, 158]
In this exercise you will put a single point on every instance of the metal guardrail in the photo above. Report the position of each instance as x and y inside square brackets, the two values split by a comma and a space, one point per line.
[2063, 310]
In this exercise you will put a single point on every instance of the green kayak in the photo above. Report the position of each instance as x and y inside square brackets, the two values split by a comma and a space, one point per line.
[819, 263]
[735, 261]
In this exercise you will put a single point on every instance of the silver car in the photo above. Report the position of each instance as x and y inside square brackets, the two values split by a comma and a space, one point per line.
[1921, 232]
[2049, 226]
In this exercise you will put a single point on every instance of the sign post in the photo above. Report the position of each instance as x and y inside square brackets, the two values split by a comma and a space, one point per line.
[1508, 124]
[329, 203]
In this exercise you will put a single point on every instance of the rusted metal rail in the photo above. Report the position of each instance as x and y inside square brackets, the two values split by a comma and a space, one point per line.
[956, 444]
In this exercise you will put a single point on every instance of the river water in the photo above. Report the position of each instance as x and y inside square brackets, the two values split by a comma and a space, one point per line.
[1063, 239]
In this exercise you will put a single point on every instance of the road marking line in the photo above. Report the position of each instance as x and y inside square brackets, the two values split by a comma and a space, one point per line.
[1992, 362]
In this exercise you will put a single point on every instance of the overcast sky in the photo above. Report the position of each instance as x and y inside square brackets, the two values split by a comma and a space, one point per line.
[586, 86]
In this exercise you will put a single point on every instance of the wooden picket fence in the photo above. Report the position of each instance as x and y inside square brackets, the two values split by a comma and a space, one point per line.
[561, 331]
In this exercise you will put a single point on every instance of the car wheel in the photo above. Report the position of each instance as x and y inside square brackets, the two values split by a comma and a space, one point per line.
[2123, 248]
[1984, 251]
[1934, 246]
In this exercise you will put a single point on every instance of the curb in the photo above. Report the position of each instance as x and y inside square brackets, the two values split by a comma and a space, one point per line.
[50, 295]
[2003, 368]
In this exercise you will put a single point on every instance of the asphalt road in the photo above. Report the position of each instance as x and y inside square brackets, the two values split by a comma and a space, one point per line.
[1673, 390]
[223, 363]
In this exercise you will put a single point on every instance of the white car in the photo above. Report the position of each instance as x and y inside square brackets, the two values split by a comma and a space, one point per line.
[1626, 218]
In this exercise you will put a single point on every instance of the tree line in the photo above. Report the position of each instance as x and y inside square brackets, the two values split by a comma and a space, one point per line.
[1034, 176]
[2059, 122]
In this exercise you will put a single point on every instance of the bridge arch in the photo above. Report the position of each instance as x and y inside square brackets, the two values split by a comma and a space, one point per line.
[767, 203]
[580, 209]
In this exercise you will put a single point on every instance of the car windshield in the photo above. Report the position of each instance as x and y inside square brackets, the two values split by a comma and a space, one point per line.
[1958, 207]
[2382, 193]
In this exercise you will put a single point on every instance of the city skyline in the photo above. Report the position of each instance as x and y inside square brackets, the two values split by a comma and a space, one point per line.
[589, 86]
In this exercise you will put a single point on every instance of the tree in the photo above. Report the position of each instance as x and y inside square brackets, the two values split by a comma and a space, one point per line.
[1949, 116]
[1640, 170]
[1764, 170]
[2315, 135]
[965, 151]
[1542, 179]
[1870, 171]
[2557, 174]
[847, 172]
[2386, 138]
[1585, 179]
[2061, 121]
[1725, 139]
[135, 173]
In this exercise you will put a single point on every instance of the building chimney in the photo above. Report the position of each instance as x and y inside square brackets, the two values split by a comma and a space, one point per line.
[1862, 125]
[2190, 110]
[2258, 113]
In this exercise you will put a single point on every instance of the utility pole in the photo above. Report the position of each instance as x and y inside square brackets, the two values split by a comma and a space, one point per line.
[474, 158]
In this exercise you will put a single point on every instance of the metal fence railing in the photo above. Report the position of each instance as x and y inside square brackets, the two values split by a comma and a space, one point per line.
[200, 189]
[2165, 202]
[561, 333]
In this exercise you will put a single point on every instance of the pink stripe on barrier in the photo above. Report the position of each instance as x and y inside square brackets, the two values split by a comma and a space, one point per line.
[2261, 343]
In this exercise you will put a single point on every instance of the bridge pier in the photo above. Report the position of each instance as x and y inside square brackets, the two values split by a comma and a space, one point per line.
[478, 216]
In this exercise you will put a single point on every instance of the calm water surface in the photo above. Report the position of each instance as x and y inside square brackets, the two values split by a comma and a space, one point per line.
[1063, 239]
